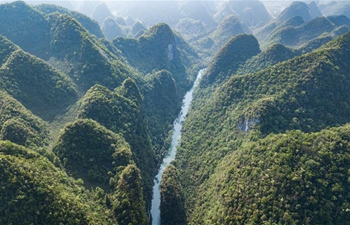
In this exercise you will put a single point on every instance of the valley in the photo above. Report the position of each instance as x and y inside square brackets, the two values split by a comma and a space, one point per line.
[107, 115]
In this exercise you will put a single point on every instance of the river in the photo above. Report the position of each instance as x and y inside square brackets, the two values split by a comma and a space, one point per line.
[170, 156]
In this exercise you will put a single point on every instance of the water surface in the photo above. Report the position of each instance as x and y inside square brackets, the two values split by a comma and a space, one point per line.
[170, 156]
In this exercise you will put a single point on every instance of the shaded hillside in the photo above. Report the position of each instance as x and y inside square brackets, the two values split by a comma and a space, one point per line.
[84, 20]
[172, 199]
[157, 49]
[307, 93]
[296, 36]
[111, 29]
[26, 27]
[228, 59]
[251, 13]
[35, 191]
[19, 125]
[229, 27]
[161, 107]
[101, 12]
[265, 31]
[123, 113]
[275, 54]
[65, 43]
[37, 85]
[297, 8]
[91, 152]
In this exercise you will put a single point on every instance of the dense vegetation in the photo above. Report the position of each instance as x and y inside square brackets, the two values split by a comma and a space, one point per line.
[291, 178]
[34, 191]
[19, 125]
[113, 123]
[86, 111]
[308, 93]
[37, 85]
[123, 113]
[86, 157]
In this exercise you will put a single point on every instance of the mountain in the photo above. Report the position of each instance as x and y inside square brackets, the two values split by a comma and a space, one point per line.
[336, 8]
[138, 26]
[265, 31]
[196, 10]
[26, 27]
[295, 9]
[294, 15]
[251, 13]
[111, 29]
[84, 20]
[37, 85]
[227, 29]
[273, 55]
[161, 106]
[290, 178]
[228, 59]
[95, 160]
[64, 43]
[36, 191]
[190, 27]
[155, 50]
[314, 10]
[123, 113]
[296, 36]
[307, 93]
[19, 125]
[101, 12]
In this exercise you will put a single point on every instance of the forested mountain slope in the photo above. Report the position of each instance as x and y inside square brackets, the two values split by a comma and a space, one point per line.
[63, 42]
[299, 35]
[37, 85]
[157, 49]
[308, 93]
[112, 119]
[35, 191]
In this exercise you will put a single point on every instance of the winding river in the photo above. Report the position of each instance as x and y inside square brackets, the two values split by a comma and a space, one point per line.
[155, 212]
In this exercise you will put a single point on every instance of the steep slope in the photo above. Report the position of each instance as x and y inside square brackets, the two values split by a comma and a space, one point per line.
[249, 12]
[37, 85]
[35, 191]
[26, 27]
[101, 12]
[7, 48]
[161, 107]
[292, 178]
[63, 42]
[111, 29]
[123, 113]
[263, 32]
[273, 55]
[294, 15]
[308, 93]
[296, 36]
[84, 57]
[229, 27]
[91, 152]
[228, 59]
[84, 20]
[297, 8]
[156, 50]
[20, 125]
